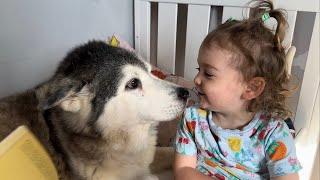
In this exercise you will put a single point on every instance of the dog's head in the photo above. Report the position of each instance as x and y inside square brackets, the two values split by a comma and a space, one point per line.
[100, 85]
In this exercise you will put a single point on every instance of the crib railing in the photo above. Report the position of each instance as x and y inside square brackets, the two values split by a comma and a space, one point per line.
[168, 33]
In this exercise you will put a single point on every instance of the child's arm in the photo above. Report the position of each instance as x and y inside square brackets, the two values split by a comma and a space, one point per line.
[293, 176]
[184, 168]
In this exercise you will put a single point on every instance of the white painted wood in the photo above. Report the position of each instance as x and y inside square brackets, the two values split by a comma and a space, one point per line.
[310, 82]
[237, 13]
[289, 58]
[307, 144]
[291, 19]
[142, 22]
[310, 5]
[298, 5]
[197, 29]
[167, 30]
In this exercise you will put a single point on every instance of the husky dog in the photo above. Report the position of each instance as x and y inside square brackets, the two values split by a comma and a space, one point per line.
[97, 115]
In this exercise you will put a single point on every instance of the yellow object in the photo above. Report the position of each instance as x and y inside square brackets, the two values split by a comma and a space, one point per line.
[114, 41]
[202, 113]
[23, 157]
[235, 144]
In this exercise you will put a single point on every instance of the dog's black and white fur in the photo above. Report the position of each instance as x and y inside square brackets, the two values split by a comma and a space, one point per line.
[97, 115]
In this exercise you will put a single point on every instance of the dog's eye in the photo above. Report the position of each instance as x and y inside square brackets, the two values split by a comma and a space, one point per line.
[133, 84]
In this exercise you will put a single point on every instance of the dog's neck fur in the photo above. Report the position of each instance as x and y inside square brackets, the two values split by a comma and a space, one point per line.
[91, 154]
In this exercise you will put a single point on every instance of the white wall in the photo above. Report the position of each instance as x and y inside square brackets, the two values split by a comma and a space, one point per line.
[36, 34]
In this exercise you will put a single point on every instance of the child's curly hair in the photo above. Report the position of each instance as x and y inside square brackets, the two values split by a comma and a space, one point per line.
[257, 52]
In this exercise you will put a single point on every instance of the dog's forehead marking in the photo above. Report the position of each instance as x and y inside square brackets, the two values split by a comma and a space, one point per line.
[131, 71]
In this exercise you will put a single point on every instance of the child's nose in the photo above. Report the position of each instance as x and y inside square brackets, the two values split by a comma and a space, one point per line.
[197, 80]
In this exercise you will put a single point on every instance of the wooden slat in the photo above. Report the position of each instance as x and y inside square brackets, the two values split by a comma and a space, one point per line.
[298, 5]
[307, 145]
[292, 16]
[310, 82]
[237, 13]
[167, 28]
[197, 29]
[142, 28]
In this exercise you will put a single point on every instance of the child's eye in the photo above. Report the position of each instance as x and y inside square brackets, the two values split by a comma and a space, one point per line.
[208, 74]
[205, 73]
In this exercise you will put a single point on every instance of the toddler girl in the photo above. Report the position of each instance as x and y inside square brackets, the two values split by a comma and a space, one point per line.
[237, 131]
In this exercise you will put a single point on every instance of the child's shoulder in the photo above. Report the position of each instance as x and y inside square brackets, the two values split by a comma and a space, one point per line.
[271, 124]
[270, 120]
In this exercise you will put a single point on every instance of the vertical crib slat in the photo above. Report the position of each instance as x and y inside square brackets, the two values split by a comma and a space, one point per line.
[291, 19]
[142, 21]
[292, 15]
[310, 82]
[197, 29]
[167, 28]
[237, 13]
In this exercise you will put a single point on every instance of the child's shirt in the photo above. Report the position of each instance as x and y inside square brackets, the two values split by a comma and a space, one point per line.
[262, 149]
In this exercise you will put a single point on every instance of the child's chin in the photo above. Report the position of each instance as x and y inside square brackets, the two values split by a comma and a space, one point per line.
[203, 105]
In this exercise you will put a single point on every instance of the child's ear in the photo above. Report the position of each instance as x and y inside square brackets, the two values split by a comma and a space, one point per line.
[254, 88]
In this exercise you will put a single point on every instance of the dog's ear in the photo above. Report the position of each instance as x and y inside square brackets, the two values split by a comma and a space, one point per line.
[76, 101]
[63, 92]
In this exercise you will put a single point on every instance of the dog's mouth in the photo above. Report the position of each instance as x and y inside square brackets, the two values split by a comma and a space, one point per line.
[193, 97]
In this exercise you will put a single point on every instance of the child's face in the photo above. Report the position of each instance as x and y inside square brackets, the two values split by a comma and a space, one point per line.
[219, 84]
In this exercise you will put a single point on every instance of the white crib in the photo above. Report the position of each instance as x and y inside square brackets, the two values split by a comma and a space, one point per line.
[168, 33]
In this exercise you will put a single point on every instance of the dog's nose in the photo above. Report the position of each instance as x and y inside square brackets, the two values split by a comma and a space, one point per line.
[183, 93]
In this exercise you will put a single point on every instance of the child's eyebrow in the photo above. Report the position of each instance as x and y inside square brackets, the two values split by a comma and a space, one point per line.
[210, 66]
